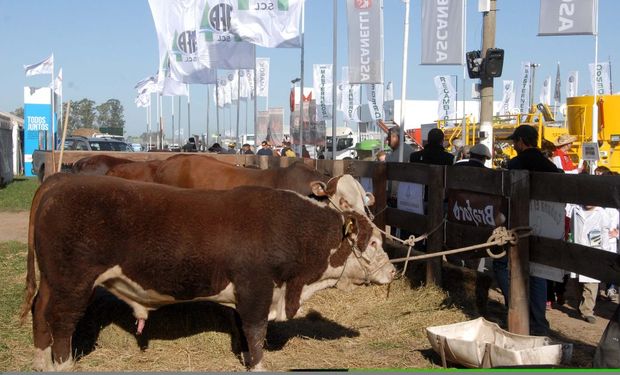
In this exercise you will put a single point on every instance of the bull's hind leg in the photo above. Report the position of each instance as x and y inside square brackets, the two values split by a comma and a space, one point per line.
[40, 330]
[64, 311]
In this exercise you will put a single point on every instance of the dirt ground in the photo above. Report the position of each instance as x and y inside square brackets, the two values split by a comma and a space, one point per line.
[566, 324]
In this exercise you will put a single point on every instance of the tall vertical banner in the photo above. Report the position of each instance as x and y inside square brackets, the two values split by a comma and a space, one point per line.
[557, 92]
[446, 99]
[567, 17]
[601, 78]
[262, 126]
[323, 86]
[545, 91]
[249, 73]
[508, 97]
[365, 41]
[374, 96]
[389, 91]
[37, 122]
[349, 101]
[524, 88]
[268, 23]
[442, 32]
[262, 76]
[572, 84]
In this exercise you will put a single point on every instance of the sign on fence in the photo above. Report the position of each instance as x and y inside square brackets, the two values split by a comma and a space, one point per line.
[476, 209]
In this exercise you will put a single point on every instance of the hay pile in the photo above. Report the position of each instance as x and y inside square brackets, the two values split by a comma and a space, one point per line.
[334, 330]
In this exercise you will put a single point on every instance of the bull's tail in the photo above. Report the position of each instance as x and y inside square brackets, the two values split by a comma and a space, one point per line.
[31, 277]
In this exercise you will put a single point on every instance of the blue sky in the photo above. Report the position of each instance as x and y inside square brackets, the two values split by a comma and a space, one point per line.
[106, 46]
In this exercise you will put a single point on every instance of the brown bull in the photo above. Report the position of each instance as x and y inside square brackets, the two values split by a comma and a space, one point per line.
[132, 239]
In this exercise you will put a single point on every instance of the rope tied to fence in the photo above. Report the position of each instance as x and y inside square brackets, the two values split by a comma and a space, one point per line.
[501, 236]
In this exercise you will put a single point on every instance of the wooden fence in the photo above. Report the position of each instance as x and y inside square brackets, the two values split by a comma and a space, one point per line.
[517, 188]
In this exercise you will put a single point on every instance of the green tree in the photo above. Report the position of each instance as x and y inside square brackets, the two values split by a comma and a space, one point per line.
[19, 112]
[117, 116]
[85, 113]
[103, 115]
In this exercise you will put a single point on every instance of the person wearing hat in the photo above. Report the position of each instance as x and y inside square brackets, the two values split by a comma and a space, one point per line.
[265, 149]
[231, 148]
[433, 152]
[393, 140]
[529, 157]
[560, 156]
[478, 155]
[246, 149]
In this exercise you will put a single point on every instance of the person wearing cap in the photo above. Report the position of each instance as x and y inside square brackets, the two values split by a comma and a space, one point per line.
[478, 155]
[433, 152]
[529, 157]
[560, 156]
[265, 149]
[231, 148]
[246, 149]
[393, 140]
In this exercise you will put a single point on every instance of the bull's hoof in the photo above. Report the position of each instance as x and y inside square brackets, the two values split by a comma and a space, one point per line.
[258, 367]
[42, 360]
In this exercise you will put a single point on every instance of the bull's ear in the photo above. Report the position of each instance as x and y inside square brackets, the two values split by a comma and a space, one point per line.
[369, 199]
[350, 226]
[319, 188]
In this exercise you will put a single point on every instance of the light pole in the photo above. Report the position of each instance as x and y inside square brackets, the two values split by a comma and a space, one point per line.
[293, 85]
[532, 84]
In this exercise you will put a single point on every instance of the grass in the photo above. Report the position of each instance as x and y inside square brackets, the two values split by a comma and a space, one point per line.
[334, 329]
[17, 196]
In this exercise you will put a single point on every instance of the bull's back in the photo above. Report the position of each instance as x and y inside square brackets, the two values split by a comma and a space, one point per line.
[137, 171]
[97, 164]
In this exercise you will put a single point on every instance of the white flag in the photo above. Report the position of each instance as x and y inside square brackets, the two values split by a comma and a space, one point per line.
[227, 91]
[524, 88]
[244, 85]
[323, 86]
[148, 85]
[250, 74]
[600, 78]
[374, 96]
[508, 98]
[58, 83]
[389, 91]
[446, 99]
[268, 23]
[43, 67]
[572, 84]
[220, 97]
[545, 91]
[262, 76]
[350, 101]
[233, 83]
[195, 34]
[143, 100]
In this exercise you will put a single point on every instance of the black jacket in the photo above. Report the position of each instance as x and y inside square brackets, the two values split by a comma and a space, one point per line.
[432, 154]
[532, 160]
[470, 163]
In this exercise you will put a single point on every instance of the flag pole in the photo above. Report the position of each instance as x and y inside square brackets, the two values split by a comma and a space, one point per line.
[255, 103]
[464, 42]
[217, 107]
[594, 106]
[208, 109]
[53, 111]
[148, 124]
[301, 89]
[172, 106]
[238, 106]
[160, 104]
[189, 130]
[334, 77]
[403, 90]
[179, 125]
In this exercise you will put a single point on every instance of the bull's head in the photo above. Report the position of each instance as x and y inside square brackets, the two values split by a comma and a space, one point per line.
[345, 192]
[367, 262]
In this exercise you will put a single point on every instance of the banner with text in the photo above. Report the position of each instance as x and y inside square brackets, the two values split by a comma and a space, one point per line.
[442, 32]
[600, 78]
[545, 91]
[524, 88]
[262, 76]
[446, 99]
[268, 23]
[365, 41]
[567, 17]
[323, 86]
[37, 122]
[572, 84]
[508, 97]
[374, 96]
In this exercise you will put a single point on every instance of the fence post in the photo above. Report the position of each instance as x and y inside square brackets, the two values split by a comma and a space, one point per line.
[379, 190]
[519, 257]
[435, 215]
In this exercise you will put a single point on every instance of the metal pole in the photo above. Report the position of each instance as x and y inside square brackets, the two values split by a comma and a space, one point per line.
[206, 145]
[594, 106]
[238, 106]
[179, 125]
[301, 89]
[172, 106]
[149, 116]
[403, 90]
[161, 122]
[464, 121]
[532, 84]
[217, 108]
[189, 131]
[486, 83]
[334, 75]
[255, 103]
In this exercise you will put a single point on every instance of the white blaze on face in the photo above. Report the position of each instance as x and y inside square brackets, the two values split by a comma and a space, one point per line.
[372, 264]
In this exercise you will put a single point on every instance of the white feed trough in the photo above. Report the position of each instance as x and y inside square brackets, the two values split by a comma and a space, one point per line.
[479, 343]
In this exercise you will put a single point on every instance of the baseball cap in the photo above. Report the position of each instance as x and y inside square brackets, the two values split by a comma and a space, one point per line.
[481, 150]
[524, 132]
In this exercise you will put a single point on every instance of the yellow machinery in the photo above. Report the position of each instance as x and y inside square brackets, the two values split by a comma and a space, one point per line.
[577, 122]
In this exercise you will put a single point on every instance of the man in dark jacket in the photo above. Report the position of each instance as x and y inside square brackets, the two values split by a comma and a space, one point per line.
[529, 157]
[433, 152]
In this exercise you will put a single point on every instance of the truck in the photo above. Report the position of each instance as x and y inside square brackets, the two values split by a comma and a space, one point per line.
[346, 140]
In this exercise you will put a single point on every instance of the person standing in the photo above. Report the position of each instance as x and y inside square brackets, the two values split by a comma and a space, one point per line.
[393, 140]
[529, 157]
[265, 150]
[433, 152]
[560, 156]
